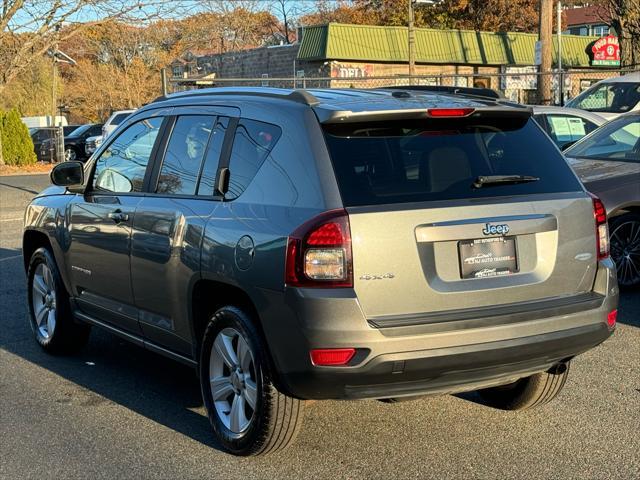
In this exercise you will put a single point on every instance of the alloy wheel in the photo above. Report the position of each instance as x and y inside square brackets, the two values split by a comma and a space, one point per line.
[232, 375]
[44, 301]
[625, 251]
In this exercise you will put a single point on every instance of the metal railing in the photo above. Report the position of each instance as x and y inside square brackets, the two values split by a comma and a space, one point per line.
[518, 83]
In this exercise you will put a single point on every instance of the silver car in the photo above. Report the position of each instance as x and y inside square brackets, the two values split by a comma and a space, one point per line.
[327, 244]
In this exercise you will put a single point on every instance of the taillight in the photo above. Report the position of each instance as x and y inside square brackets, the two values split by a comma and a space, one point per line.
[602, 229]
[450, 112]
[319, 252]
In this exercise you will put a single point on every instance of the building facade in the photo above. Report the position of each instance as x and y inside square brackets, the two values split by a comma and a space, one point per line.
[363, 56]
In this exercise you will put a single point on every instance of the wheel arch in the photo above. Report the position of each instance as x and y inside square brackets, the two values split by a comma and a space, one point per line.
[33, 239]
[622, 210]
[210, 295]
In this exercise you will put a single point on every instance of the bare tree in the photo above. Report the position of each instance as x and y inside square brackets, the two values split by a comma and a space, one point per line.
[31, 27]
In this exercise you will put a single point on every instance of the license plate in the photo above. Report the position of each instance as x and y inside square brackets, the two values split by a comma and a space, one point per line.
[487, 257]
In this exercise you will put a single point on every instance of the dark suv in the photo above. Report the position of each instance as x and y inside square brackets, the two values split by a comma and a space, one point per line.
[327, 244]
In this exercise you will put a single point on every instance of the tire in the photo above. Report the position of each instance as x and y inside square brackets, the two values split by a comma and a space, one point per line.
[527, 392]
[244, 376]
[49, 309]
[625, 248]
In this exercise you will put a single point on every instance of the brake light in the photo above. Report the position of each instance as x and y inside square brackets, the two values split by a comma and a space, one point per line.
[450, 112]
[319, 252]
[332, 357]
[602, 229]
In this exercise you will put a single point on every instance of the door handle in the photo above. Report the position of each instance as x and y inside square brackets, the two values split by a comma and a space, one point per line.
[118, 216]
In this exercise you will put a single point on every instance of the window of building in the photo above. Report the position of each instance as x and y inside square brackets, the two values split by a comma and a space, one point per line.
[185, 152]
[252, 144]
[265, 79]
[122, 166]
[601, 30]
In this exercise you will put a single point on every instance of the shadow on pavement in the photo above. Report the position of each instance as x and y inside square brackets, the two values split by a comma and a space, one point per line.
[28, 190]
[158, 388]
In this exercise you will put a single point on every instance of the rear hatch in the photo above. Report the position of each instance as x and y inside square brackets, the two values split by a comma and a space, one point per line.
[456, 213]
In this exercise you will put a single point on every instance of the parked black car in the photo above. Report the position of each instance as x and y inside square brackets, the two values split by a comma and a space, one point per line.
[42, 138]
[74, 142]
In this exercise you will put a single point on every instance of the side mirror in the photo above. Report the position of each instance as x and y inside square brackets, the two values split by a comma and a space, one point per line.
[68, 174]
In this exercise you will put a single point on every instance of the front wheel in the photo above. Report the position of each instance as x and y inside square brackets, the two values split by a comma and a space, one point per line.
[49, 309]
[248, 414]
[527, 392]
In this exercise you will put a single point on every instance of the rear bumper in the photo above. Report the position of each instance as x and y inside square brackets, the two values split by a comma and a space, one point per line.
[432, 358]
[446, 370]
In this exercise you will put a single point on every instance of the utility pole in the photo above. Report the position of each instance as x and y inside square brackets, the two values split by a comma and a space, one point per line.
[54, 76]
[560, 75]
[412, 44]
[545, 31]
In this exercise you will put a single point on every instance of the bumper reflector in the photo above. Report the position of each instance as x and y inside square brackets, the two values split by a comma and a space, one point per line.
[332, 357]
[611, 319]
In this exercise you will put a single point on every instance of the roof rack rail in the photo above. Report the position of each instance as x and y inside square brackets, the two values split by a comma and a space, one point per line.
[466, 91]
[299, 96]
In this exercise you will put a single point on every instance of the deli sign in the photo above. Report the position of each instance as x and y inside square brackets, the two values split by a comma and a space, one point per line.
[606, 52]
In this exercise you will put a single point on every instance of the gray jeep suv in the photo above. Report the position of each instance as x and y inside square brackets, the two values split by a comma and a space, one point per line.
[327, 244]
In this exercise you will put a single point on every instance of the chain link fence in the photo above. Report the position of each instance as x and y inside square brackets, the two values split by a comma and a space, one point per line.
[519, 84]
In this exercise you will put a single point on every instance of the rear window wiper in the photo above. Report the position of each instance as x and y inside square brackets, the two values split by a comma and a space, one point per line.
[489, 180]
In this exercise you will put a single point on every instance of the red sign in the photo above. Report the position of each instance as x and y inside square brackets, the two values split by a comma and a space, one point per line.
[606, 51]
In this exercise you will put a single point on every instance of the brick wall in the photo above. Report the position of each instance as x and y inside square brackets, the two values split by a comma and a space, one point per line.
[273, 61]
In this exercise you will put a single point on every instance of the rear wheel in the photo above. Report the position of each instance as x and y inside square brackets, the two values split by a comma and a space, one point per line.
[527, 392]
[248, 414]
[625, 248]
[50, 312]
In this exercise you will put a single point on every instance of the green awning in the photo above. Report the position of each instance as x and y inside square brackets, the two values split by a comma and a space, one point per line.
[368, 43]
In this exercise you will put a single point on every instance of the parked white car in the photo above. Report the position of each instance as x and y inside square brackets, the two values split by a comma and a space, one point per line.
[565, 125]
[611, 97]
[113, 121]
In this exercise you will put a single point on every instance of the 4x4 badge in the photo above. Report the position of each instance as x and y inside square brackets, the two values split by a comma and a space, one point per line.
[495, 229]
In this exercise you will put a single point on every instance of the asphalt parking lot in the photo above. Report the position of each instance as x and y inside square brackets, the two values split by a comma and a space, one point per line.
[117, 411]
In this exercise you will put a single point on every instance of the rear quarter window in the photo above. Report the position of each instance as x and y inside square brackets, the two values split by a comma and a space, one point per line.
[430, 160]
[252, 144]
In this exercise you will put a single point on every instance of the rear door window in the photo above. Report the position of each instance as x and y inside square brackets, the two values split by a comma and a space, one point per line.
[425, 160]
[184, 155]
[212, 158]
[253, 141]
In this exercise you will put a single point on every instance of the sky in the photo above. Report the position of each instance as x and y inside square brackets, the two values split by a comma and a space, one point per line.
[31, 16]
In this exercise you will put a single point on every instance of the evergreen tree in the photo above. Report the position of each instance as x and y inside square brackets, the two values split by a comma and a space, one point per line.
[17, 146]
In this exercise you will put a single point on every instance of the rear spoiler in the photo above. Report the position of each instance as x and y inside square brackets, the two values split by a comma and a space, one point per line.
[466, 91]
[347, 116]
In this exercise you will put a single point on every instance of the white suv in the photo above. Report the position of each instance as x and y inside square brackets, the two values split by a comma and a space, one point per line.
[113, 121]
[611, 97]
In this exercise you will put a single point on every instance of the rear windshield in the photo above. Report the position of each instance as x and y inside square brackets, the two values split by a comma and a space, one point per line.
[429, 160]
